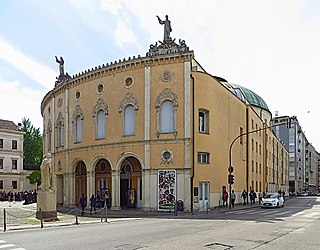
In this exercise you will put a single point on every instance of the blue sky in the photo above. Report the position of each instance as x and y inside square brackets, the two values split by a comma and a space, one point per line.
[271, 47]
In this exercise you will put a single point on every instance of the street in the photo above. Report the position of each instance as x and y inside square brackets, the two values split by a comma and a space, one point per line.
[295, 226]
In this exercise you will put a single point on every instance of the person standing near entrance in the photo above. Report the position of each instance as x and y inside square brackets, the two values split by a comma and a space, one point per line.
[225, 198]
[83, 203]
[93, 204]
[244, 195]
[107, 198]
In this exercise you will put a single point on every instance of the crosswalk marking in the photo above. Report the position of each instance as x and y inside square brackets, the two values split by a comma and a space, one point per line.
[6, 245]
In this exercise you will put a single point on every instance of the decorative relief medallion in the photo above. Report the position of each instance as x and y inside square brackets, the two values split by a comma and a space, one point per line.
[60, 102]
[166, 157]
[167, 76]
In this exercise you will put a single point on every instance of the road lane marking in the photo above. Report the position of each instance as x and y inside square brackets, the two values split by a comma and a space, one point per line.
[6, 245]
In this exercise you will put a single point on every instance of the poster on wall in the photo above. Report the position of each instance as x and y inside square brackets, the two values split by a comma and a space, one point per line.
[166, 189]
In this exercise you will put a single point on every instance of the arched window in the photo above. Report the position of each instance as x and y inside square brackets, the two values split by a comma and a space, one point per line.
[101, 125]
[129, 120]
[167, 117]
[59, 129]
[79, 129]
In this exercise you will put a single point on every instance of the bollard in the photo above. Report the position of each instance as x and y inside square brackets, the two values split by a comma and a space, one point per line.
[106, 213]
[77, 222]
[219, 205]
[41, 220]
[4, 220]
[175, 209]
[207, 207]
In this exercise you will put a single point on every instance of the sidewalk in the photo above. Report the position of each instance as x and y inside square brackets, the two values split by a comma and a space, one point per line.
[19, 216]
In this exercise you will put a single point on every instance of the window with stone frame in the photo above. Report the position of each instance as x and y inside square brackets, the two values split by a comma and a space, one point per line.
[77, 121]
[203, 157]
[128, 108]
[14, 164]
[203, 121]
[14, 144]
[1, 163]
[1, 184]
[166, 112]
[14, 184]
[1, 143]
[99, 115]
[59, 130]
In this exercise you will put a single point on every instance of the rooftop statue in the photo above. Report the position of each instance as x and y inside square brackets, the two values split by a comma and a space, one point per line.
[167, 29]
[61, 65]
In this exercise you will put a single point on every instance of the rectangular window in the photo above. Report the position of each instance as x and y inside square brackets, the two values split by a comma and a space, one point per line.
[256, 167]
[14, 184]
[260, 168]
[14, 144]
[257, 147]
[14, 164]
[252, 124]
[252, 144]
[203, 121]
[1, 143]
[1, 163]
[1, 184]
[252, 166]
[203, 157]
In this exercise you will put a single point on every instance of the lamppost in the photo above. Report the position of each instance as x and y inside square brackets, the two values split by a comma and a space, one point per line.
[231, 168]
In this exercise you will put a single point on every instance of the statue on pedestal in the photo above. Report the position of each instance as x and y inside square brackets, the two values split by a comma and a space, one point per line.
[46, 174]
[167, 29]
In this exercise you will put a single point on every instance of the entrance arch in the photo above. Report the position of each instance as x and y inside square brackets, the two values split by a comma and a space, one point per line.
[130, 183]
[81, 180]
[103, 181]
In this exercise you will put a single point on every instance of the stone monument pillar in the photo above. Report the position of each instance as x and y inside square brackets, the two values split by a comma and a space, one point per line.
[47, 192]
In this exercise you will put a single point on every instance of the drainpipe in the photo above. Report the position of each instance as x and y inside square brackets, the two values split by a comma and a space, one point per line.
[192, 140]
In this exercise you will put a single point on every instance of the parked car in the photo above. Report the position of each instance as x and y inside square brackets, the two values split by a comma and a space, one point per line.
[272, 200]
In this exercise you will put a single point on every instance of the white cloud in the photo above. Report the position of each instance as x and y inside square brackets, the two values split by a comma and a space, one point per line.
[38, 72]
[18, 102]
[112, 6]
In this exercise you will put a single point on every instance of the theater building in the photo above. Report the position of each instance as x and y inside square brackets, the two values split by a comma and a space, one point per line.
[157, 129]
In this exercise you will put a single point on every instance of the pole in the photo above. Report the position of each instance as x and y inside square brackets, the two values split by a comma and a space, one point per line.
[4, 220]
[77, 222]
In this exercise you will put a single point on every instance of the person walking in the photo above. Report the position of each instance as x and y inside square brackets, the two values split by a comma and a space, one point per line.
[233, 198]
[244, 195]
[93, 204]
[261, 195]
[225, 198]
[83, 203]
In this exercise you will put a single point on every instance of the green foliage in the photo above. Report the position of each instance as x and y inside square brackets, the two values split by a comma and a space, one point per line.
[35, 177]
[32, 144]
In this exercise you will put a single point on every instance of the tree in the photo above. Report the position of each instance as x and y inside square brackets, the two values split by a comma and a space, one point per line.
[35, 177]
[32, 145]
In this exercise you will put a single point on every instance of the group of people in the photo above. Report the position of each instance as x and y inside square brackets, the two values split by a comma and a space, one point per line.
[252, 195]
[27, 197]
[97, 201]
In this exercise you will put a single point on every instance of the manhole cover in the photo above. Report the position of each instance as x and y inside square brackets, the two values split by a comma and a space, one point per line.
[217, 245]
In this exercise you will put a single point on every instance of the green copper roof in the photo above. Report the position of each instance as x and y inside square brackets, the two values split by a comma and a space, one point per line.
[252, 97]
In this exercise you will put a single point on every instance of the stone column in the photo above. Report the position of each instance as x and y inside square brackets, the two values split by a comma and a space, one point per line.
[146, 190]
[115, 196]
[90, 184]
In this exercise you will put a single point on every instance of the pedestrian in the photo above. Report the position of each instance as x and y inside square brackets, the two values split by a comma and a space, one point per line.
[98, 199]
[225, 198]
[83, 203]
[93, 204]
[244, 195]
[283, 195]
[253, 197]
[233, 198]
[107, 198]
[260, 196]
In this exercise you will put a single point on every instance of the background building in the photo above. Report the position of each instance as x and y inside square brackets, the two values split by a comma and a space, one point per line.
[12, 175]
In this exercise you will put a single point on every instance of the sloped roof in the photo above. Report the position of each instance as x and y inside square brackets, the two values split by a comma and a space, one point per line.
[8, 125]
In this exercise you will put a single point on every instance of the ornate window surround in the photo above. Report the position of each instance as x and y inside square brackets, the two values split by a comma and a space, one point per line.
[100, 105]
[77, 113]
[49, 133]
[129, 99]
[59, 129]
[166, 161]
[166, 95]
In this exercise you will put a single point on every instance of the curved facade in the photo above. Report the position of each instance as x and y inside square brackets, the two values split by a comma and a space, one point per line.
[157, 129]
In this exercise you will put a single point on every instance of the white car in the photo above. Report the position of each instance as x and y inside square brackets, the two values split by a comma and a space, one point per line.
[272, 200]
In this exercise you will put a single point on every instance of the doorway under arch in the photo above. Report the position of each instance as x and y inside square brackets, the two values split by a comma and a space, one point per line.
[103, 182]
[80, 180]
[130, 183]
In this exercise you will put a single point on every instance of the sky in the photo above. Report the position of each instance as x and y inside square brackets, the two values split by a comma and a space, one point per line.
[271, 47]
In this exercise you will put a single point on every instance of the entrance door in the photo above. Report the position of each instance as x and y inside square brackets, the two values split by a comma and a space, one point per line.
[204, 202]
[124, 187]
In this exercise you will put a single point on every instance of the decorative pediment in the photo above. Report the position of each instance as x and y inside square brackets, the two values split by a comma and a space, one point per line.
[100, 105]
[77, 113]
[129, 99]
[167, 94]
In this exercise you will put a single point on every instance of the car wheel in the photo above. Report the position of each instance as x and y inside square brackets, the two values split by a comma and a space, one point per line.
[278, 204]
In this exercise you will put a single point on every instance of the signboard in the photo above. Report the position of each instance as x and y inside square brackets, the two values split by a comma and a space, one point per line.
[166, 189]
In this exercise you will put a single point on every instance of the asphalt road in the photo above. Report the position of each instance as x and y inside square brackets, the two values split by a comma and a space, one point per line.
[296, 226]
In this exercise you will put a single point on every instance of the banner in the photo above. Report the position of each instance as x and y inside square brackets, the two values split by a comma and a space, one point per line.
[166, 189]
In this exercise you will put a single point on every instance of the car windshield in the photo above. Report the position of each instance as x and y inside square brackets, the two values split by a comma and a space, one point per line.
[271, 196]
